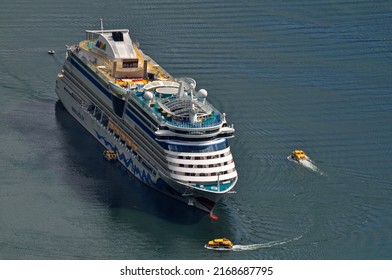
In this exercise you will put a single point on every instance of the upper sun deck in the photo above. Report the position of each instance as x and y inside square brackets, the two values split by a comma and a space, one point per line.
[113, 54]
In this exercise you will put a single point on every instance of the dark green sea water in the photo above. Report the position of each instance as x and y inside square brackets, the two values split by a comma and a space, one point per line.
[313, 75]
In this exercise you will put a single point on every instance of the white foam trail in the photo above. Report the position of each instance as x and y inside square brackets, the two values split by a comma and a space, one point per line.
[310, 165]
[253, 247]
[58, 59]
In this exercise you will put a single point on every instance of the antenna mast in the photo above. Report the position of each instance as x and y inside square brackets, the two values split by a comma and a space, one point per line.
[101, 25]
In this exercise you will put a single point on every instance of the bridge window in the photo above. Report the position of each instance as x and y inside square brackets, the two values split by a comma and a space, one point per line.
[130, 63]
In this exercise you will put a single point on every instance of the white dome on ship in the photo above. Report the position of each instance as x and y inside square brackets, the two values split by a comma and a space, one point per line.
[148, 95]
[202, 94]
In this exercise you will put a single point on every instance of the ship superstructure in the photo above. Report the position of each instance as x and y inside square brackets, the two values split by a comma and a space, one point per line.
[162, 129]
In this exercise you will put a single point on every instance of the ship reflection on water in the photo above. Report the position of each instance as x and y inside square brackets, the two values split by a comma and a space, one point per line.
[108, 183]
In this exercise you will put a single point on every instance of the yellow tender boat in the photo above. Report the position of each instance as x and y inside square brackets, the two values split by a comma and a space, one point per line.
[110, 155]
[299, 155]
[219, 244]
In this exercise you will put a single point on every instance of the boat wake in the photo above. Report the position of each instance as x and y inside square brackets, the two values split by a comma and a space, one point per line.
[307, 163]
[253, 247]
[57, 58]
[310, 165]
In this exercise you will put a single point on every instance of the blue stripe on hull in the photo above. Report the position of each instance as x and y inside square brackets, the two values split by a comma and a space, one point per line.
[91, 78]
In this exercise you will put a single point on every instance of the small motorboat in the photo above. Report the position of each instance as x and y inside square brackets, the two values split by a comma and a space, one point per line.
[219, 244]
[299, 155]
[110, 155]
[51, 52]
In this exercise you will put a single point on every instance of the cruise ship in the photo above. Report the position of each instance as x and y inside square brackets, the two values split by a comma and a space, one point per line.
[163, 130]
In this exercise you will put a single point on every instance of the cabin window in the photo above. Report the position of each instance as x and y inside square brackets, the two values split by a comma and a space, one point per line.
[130, 63]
